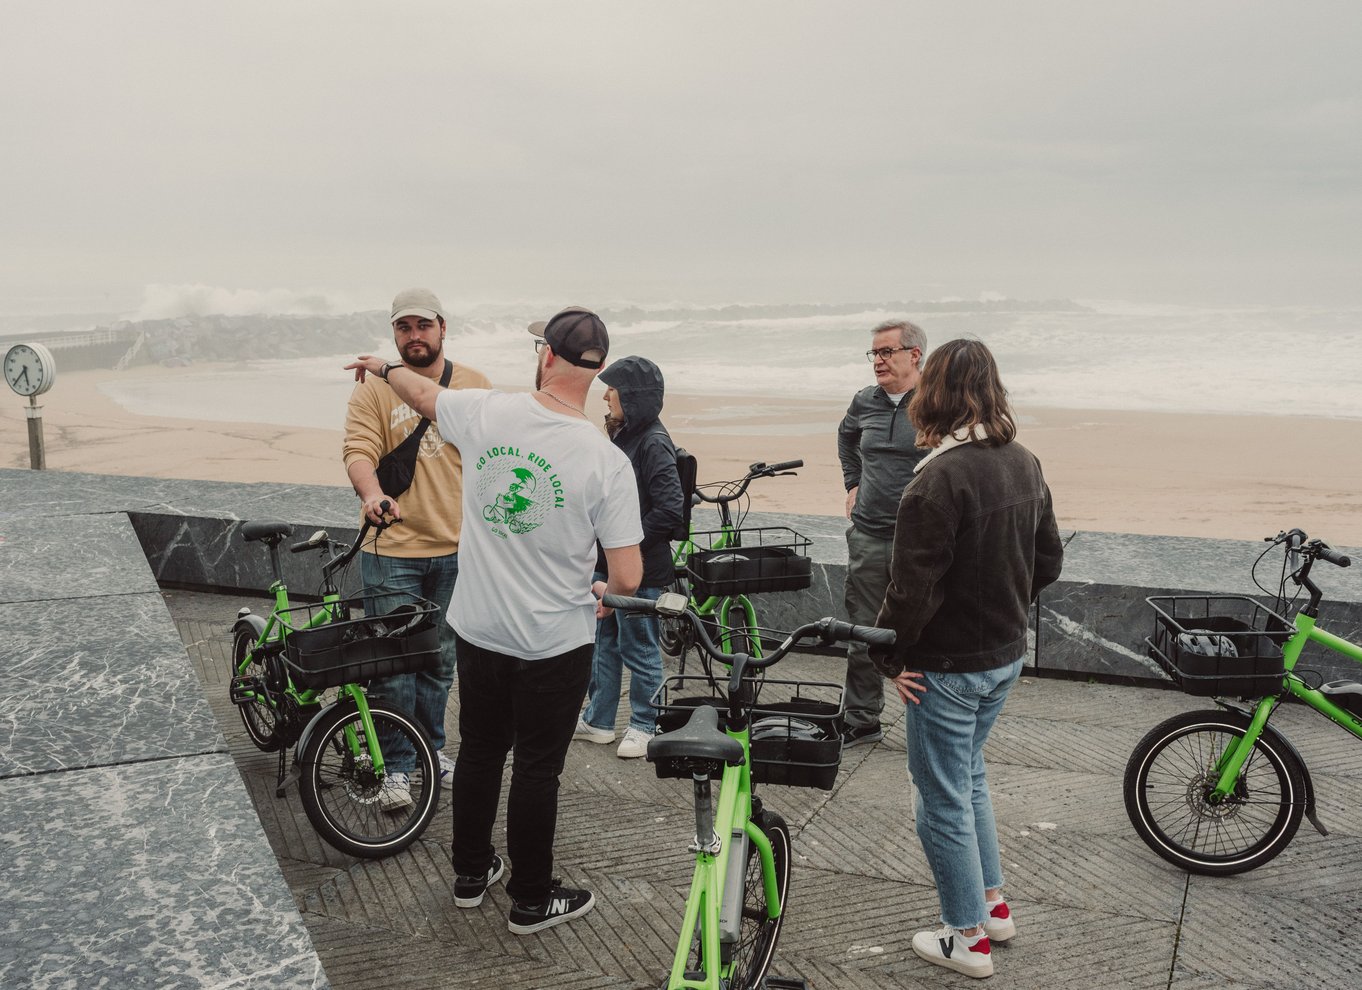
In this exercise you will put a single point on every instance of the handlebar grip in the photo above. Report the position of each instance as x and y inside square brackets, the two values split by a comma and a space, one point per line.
[629, 604]
[785, 466]
[1334, 557]
[300, 547]
[870, 635]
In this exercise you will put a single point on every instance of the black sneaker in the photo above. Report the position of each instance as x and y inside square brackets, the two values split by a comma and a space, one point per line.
[563, 904]
[468, 891]
[854, 735]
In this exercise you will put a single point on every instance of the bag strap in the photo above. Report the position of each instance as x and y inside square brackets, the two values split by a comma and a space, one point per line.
[415, 436]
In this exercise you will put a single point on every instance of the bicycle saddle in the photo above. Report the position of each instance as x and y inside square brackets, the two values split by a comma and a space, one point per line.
[699, 738]
[269, 530]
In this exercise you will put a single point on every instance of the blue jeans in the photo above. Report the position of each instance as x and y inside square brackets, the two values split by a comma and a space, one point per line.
[426, 694]
[625, 640]
[946, 735]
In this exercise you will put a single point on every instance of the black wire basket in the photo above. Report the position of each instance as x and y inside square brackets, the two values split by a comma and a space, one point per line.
[763, 558]
[402, 640]
[796, 742]
[1219, 645]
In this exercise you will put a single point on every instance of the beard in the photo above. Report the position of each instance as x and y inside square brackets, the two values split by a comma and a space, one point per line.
[539, 373]
[613, 425]
[427, 355]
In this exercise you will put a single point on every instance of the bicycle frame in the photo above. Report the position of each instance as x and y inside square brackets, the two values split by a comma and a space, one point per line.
[1232, 761]
[705, 904]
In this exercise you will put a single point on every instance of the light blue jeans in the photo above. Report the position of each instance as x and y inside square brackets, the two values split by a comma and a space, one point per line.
[426, 694]
[625, 639]
[946, 735]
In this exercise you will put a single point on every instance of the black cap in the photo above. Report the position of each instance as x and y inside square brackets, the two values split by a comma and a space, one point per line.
[576, 335]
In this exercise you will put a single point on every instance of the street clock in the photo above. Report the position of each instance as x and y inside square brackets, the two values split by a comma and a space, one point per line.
[29, 369]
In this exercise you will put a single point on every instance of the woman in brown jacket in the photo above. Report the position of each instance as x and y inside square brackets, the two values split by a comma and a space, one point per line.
[975, 541]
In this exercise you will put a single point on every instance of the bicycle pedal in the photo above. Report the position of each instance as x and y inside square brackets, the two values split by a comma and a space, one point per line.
[782, 983]
[246, 689]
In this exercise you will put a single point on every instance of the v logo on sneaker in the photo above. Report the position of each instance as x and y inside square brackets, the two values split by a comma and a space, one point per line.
[947, 946]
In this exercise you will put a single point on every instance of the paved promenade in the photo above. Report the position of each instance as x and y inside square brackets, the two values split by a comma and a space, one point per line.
[1094, 907]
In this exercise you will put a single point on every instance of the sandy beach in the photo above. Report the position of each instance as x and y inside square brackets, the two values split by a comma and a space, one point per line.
[1234, 477]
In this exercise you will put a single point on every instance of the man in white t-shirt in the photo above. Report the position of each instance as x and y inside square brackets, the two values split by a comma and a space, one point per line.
[542, 487]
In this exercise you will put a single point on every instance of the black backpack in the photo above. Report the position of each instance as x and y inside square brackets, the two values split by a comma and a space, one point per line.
[686, 470]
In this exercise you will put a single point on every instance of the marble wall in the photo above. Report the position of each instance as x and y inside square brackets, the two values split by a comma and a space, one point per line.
[133, 855]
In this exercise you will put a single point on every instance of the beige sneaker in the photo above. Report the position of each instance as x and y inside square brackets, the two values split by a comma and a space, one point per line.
[634, 744]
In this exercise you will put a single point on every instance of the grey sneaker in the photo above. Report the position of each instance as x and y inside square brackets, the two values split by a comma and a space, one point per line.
[854, 735]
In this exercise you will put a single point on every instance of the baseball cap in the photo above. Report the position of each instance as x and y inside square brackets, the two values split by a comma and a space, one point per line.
[576, 335]
[416, 302]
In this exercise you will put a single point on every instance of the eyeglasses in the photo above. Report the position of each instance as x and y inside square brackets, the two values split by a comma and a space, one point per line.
[884, 353]
[539, 344]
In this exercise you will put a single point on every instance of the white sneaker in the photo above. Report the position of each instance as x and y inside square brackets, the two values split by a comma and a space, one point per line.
[999, 925]
[446, 769]
[592, 734]
[968, 954]
[396, 792]
[634, 744]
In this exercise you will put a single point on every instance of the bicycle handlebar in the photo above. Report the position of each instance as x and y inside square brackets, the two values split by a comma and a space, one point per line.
[827, 629]
[1297, 541]
[758, 470]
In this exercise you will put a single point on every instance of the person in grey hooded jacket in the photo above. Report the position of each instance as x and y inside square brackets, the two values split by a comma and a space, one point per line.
[633, 396]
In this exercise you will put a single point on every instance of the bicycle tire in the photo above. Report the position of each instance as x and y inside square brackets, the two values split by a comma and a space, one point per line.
[1169, 774]
[757, 934]
[260, 718]
[341, 793]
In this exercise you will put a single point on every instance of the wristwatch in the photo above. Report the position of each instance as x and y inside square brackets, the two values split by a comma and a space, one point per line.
[383, 371]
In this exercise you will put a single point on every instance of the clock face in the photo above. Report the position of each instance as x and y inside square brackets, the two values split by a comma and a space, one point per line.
[29, 369]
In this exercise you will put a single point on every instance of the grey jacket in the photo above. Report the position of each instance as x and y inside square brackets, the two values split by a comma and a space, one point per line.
[875, 444]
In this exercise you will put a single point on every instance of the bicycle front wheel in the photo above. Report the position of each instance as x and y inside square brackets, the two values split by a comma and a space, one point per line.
[1172, 772]
[351, 805]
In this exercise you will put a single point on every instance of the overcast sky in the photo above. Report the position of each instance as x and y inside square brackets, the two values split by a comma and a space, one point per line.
[680, 151]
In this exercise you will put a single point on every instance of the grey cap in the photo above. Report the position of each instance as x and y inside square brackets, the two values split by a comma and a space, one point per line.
[577, 335]
[417, 302]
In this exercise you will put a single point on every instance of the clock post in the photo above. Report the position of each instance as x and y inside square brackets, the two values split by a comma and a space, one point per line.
[37, 454]
[30, 370]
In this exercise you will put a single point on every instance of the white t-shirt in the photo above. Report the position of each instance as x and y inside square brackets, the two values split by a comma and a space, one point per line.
[539, 490]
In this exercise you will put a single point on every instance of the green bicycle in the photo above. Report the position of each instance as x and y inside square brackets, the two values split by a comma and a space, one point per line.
[1223, 792]
[740, 887]
[775, 560]
[283, 664]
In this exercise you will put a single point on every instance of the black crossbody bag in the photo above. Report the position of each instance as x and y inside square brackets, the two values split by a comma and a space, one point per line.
[397, 467]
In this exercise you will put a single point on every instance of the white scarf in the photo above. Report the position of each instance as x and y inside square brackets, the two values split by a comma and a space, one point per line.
[957, 439]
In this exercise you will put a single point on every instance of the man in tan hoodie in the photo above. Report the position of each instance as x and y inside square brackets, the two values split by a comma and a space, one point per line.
[421, 556]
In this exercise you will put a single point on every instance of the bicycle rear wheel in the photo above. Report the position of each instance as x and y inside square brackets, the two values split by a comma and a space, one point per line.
[751, 955]
[1171, 773]
[344, 796]
[260, 718]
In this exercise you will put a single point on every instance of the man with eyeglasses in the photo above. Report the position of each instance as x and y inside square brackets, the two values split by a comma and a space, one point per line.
[878, 451]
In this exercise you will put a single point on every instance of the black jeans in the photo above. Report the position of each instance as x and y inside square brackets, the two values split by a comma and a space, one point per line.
[531, 706]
